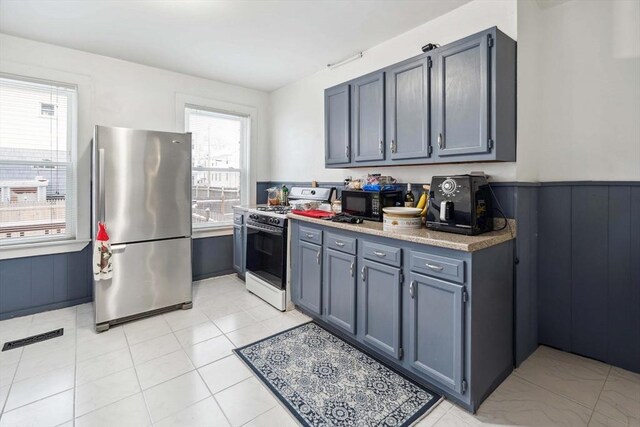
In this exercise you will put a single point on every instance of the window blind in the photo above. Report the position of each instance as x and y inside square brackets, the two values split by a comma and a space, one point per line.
[37, 182]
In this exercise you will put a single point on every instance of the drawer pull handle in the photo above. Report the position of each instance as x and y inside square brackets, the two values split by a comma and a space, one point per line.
[339, 243]
[412, 287]
[351, 269]
[435, 267]
[310, 236]
[380, 254]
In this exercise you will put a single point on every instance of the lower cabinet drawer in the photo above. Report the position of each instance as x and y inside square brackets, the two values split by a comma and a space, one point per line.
[382, 253]
[437, 266]
[312, 235]
[340, 243]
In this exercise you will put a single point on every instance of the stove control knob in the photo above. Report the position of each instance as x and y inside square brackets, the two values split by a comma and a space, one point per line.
[274, 220]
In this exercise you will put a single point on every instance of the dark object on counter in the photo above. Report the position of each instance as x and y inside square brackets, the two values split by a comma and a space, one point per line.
[429, 46]
[369, 204]
[460, 204]
[345, 217]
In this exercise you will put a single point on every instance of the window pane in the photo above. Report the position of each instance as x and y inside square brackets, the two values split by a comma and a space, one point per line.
[36, 185]
[217, 140]
[34, 121]
[33, 201]
[213, 200]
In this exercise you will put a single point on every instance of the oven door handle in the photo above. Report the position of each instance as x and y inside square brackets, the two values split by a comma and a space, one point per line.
[274, 232]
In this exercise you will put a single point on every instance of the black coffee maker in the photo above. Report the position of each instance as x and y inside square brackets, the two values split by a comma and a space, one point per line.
[460, 204]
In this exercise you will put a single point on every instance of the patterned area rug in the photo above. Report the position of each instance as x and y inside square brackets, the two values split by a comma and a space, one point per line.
[325, 381]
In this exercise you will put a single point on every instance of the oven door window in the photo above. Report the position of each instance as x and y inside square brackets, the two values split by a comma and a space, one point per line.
[265, 256]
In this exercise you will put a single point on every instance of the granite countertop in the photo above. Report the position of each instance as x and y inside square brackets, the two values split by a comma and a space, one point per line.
[424, 236]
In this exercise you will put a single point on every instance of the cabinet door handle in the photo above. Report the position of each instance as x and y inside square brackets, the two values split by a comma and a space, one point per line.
[346, 152]
[434, 267]
[381, 146]
[351, 269]
[440, 141]
[379, 254]
[318, 257]
[412, 288]
[309, 236]
[363, 273]
[393, 146]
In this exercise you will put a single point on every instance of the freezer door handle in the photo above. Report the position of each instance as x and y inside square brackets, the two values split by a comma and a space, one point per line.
[101, 197]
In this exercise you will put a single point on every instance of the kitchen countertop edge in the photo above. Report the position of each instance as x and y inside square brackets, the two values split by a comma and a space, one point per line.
[424, 236]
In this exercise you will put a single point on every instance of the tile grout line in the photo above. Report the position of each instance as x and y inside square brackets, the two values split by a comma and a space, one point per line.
[4, 406]
[599, 394]
[75, 373]
[144, 399]
[554, 392]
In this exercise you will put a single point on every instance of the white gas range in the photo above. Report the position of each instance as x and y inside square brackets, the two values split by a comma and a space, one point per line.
[266, 247]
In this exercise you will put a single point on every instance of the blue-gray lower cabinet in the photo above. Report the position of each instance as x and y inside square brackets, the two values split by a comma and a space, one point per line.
[309, 278]
[436, 330]
[340, 289]
[442, 317]
[239, 242]
[380, 307]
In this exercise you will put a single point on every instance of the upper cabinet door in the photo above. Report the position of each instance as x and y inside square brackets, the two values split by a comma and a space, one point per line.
[367, 119]
[408, 109]
[463, 98]
[336, 125]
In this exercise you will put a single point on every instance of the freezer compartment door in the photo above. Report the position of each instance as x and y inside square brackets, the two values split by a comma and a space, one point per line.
[142, 183]
[146, 276]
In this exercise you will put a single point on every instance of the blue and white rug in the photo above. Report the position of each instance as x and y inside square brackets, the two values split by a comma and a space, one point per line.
[324, 381]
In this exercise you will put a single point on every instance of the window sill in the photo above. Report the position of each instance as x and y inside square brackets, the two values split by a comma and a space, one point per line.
[222, 230]
[43, 248]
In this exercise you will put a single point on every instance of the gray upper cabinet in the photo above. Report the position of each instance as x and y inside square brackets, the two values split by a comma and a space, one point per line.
[337, 125]
[436, 326]
[462, 97]
[367, 119]
[340, 288]
[456, 103]
[408, 109]
[309, 279]
[379, 307]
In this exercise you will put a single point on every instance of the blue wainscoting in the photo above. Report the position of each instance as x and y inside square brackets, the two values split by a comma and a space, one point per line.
[35, 284]
[589, 270]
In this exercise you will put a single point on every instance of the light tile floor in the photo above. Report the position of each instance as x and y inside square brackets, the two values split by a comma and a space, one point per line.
[177, 369]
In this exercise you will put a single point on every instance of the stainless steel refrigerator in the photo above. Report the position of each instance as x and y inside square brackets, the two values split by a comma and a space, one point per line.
[141, 190]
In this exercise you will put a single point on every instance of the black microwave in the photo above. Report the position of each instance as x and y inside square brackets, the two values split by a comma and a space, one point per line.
[369, 204]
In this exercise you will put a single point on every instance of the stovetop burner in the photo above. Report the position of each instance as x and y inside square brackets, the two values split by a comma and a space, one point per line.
[275, 209]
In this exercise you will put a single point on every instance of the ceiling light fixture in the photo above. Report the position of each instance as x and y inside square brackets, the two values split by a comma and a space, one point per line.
[345, 61]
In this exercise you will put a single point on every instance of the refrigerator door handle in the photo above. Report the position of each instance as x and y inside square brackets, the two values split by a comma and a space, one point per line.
[118, 248]
[101, 214]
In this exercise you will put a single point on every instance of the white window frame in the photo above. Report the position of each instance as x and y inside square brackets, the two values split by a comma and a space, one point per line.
[247, 177]
[20, 246]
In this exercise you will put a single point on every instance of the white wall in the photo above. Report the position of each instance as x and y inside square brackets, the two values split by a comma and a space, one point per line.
[117, 93]
[579, 91]
[297, 116]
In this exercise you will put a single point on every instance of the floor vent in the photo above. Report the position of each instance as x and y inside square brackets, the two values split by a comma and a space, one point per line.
[32, 340]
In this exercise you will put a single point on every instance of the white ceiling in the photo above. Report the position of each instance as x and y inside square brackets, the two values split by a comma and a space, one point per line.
[262, 44]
